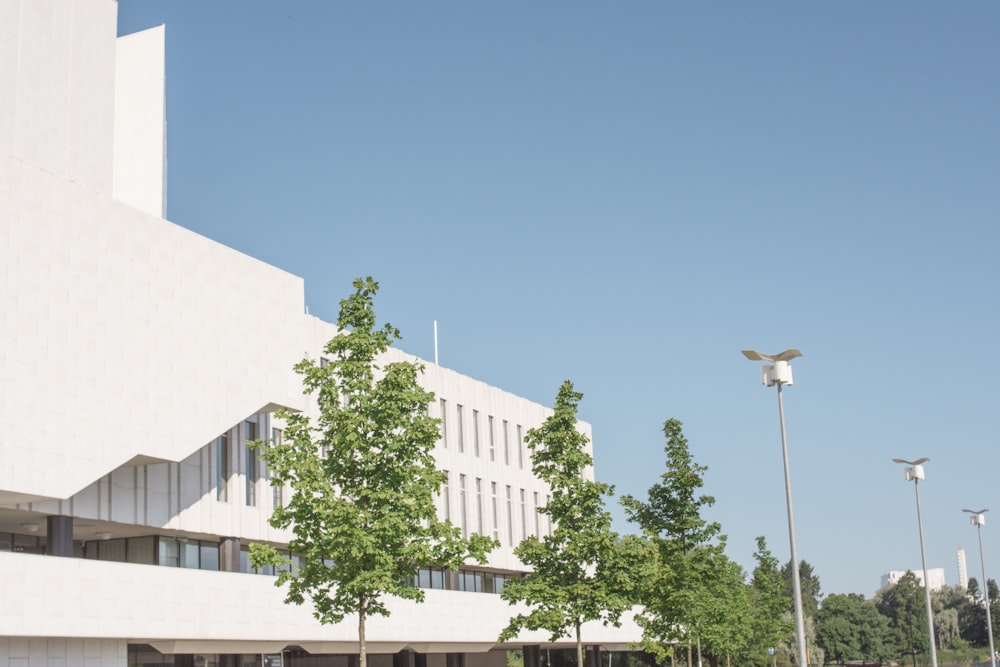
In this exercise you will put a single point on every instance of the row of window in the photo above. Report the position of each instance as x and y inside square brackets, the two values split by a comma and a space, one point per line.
[477, 524]
[491, 441]
[473, 581]
[474, 523]
[204, 555]
[252, 465]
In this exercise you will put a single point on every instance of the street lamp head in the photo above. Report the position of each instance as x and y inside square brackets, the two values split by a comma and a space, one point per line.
[914, 469]
[923, 459]
[787, 355]
[978, 517]
[778, 372]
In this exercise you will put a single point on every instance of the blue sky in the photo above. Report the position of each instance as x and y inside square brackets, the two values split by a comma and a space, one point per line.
[626, 195]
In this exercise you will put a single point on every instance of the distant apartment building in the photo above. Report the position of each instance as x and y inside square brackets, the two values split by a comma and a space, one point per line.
[935, 576]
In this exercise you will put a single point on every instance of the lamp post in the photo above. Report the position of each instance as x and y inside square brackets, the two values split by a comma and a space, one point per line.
[779, 373]
[978, 519]
[915, 472]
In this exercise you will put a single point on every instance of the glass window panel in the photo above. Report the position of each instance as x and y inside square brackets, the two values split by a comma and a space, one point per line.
[444, 422]
[114, 550]
[209, 556]
[6, 542]
[475, 432]
[437, 578]
[26, 544]
[424, 577]
[222, 467]
[169, 552]
[245, 560]
[189, 554]
[142, 550]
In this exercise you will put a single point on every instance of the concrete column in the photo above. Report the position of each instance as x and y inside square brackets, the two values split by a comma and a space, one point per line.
[532, 655]
[229, 554]
[59, 532]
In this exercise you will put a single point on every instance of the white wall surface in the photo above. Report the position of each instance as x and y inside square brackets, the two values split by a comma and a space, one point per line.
[62, 652]
[57, 77]
[127, 335]
[201, 611]
[140, 141]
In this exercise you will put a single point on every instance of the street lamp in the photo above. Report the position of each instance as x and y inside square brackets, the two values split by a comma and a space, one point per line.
[779, 373]
[978, 519]
[915, 472]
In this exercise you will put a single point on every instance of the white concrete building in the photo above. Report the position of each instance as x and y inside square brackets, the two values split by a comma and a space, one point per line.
[127, 499]
[935, 576]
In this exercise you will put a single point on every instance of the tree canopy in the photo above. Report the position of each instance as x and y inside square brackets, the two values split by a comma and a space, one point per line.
[363, 478]
[583, 570]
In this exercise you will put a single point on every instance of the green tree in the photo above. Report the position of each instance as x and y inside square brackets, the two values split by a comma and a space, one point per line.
[727, 601]
[972, 618]
[677, 605]
[850, 628]
[811, 590]
[364, 479]
[770, 623]
[581, 572]
[903, 604]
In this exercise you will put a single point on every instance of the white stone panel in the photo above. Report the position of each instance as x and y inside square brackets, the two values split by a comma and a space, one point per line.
[140, 143]
[102, 600]
[116, 324]
[63, 100]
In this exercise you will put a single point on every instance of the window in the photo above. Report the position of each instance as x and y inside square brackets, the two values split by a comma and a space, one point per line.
[520, 447]
[475, 432]
[493, 583]
[510, 518]
[506, 444]
[209, 552]
[169, 552]
[524, 516]
[479, 506]
[276, 490]
[190, 554]
[445, 496]
[252, 462]
[496, 514]
[222, 467]
[538, 520]
[471, 581]
[548, 500]
[493, 449]
[430, 577]
[464, 504]
[141, 550]
[444, 421]
[459, 427]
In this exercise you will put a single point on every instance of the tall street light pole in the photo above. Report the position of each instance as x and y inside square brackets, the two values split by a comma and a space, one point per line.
[978, 519]
[915, 472]
[779, 373]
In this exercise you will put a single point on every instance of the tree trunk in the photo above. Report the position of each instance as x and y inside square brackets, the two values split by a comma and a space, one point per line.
[362, 649]
[579, 646]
